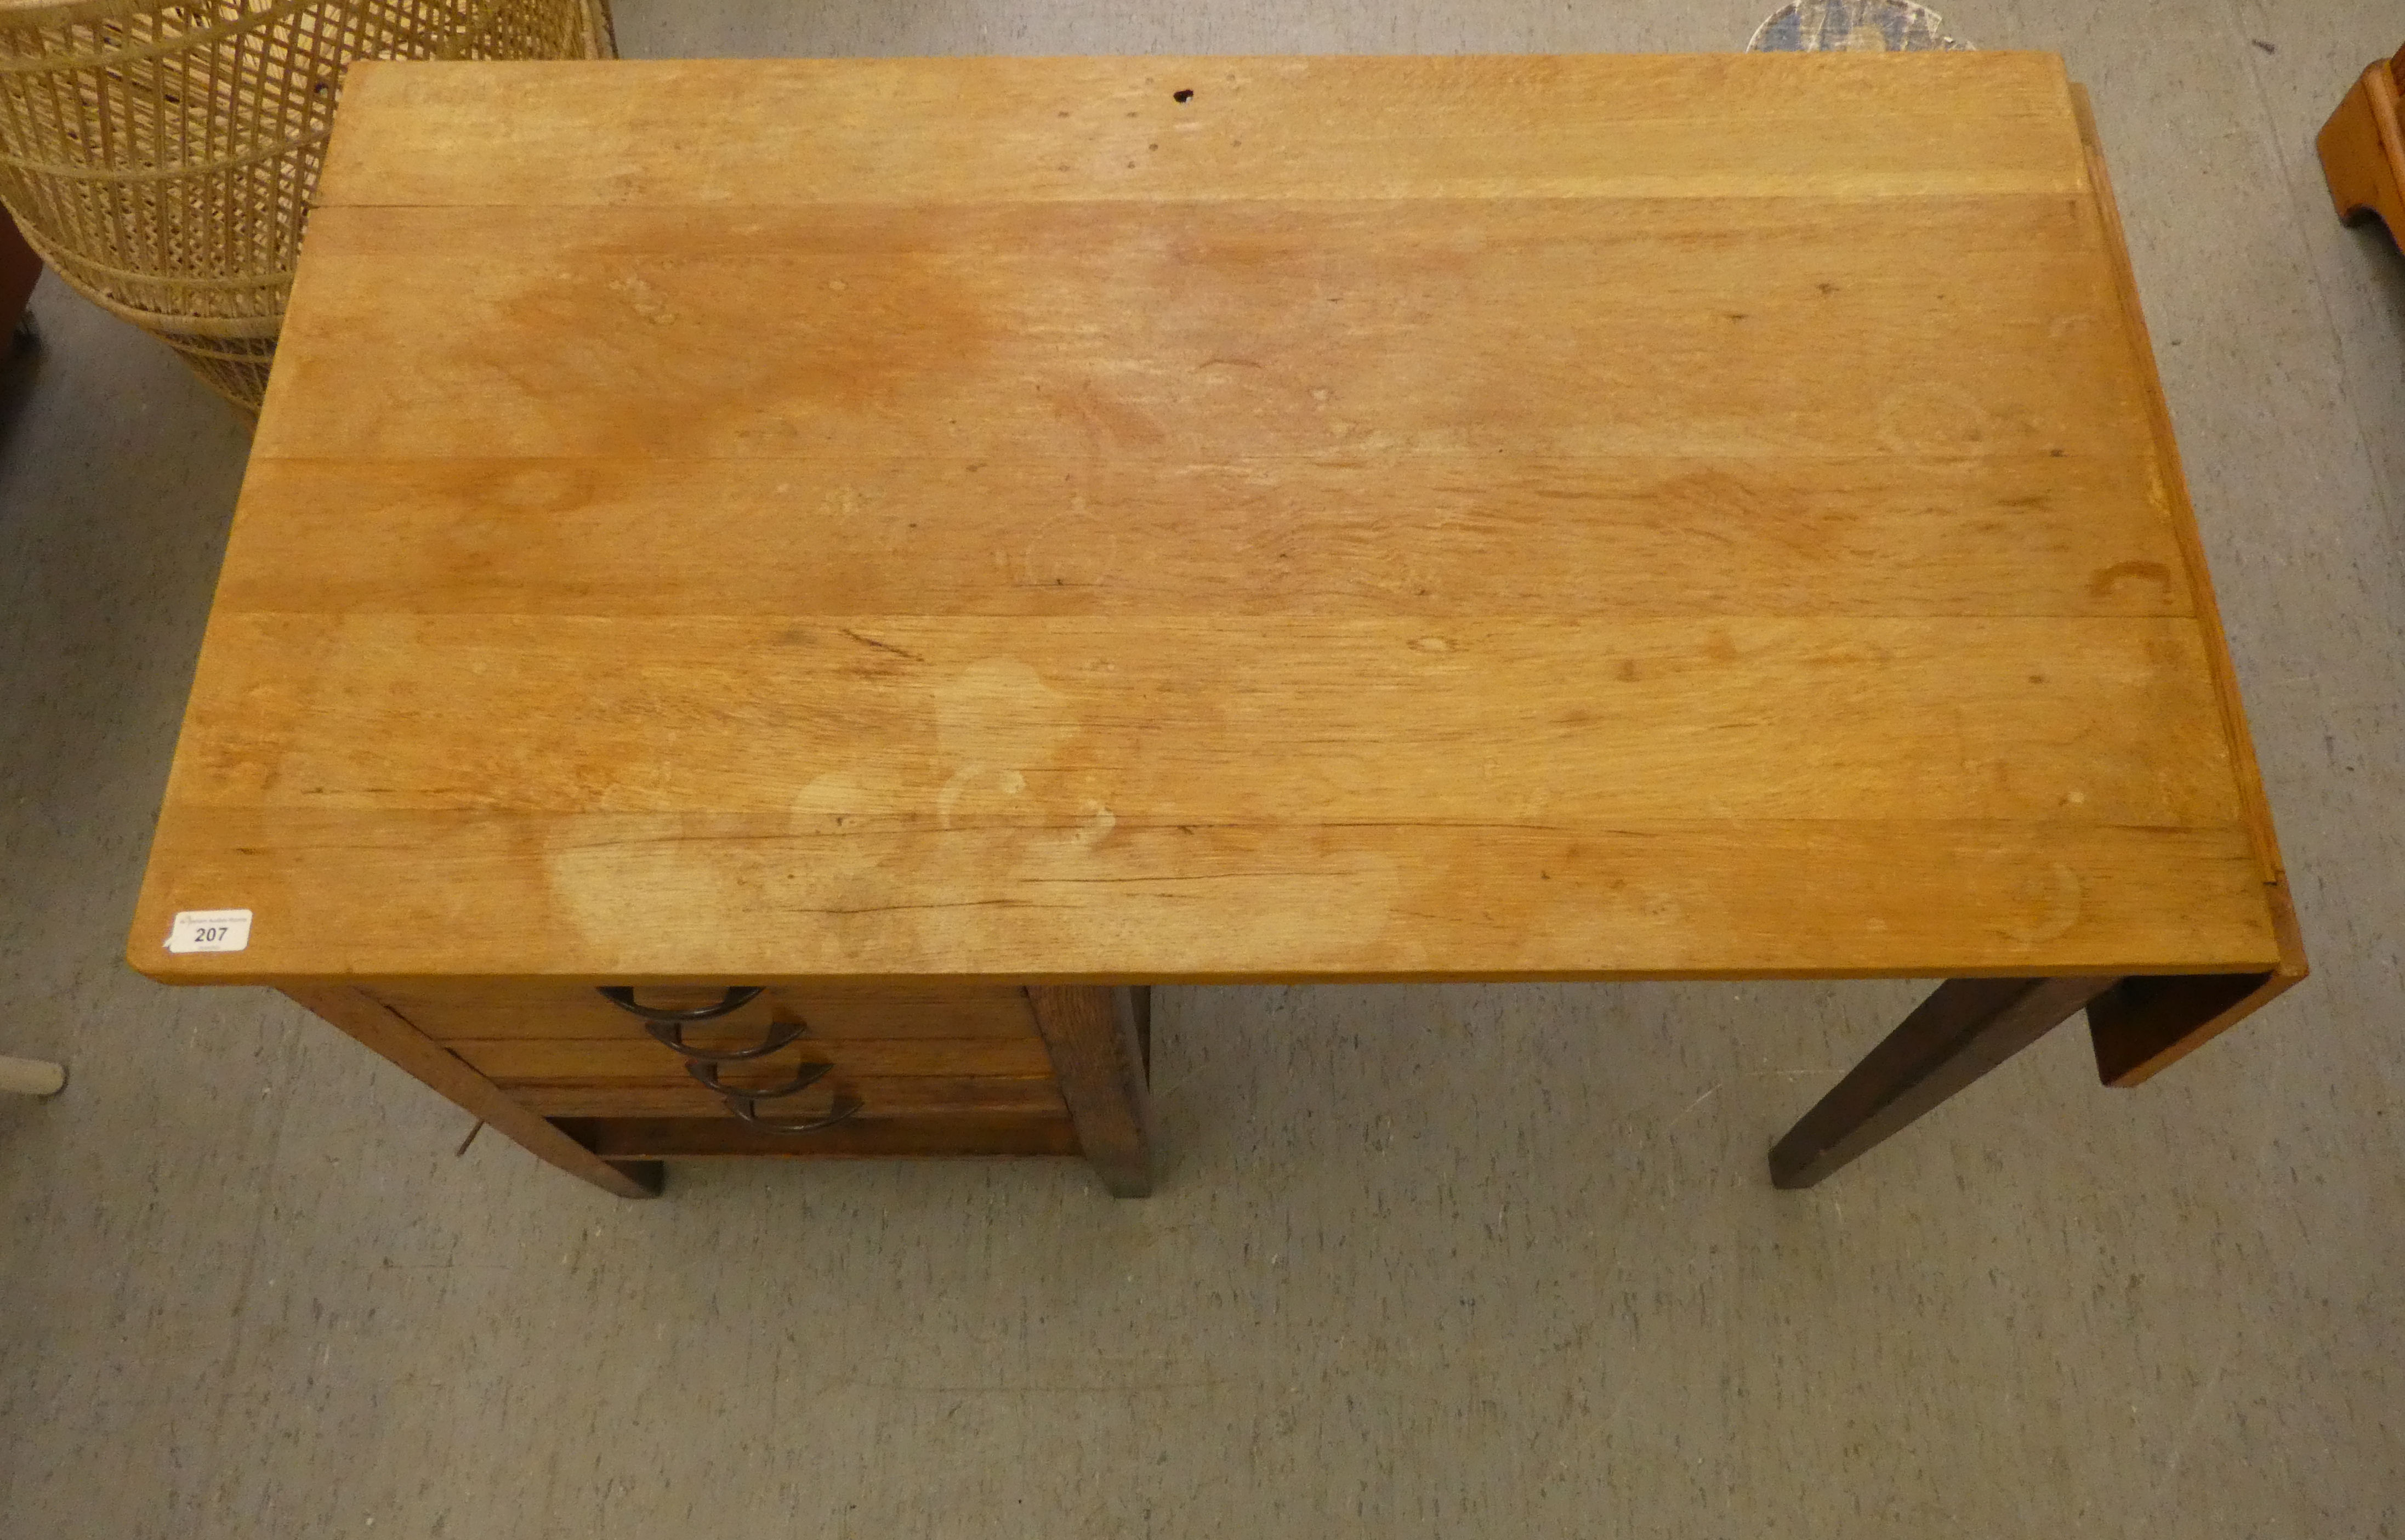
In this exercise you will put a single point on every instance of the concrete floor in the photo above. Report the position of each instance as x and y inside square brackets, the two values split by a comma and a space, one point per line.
[1477, 1261]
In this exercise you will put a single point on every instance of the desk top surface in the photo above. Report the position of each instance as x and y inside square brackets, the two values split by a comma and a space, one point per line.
[1215, 519]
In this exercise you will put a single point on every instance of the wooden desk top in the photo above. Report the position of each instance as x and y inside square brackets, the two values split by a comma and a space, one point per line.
[1215, 519]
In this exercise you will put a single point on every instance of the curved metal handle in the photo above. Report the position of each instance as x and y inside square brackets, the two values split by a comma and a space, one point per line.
[672, 1034]
[845, 1106]
[737, 997]
[805, 1076]
[667, 1028]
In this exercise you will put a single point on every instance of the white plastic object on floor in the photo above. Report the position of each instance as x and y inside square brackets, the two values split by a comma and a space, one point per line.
[32, 1077]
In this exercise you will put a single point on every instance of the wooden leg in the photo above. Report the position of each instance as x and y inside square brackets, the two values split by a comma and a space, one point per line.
[1100, 1059]
[384, 1030]
[2363, 152]
[1967, 1028]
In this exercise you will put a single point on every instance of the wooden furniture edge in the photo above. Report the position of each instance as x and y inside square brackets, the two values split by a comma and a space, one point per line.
[2383, 83]
[1099, 1056]
[2146, 1023]
[175, 972]
[2257, 808]
[2143, 1025]
[385, 1032]
[2139, 1023]
[2362, 149]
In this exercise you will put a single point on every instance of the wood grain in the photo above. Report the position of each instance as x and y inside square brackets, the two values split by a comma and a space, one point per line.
[946, 724]
[1883, 533]
[436, 1067]
[1264, 331]
[988, 521]
[1399, 897]
[2215, 644]
[911, 132]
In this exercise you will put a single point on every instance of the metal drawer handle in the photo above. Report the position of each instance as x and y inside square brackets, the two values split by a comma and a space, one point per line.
[734, 1000]
[668, 1026]
[672, 1034]
[743, 1101]
[845, 1106]
[805, 1076]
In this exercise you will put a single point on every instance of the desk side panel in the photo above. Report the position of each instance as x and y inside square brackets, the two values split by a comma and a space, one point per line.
[387, 1034]
[2144, 1026]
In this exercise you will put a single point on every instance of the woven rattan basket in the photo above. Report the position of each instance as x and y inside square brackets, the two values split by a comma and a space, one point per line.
[160, 156]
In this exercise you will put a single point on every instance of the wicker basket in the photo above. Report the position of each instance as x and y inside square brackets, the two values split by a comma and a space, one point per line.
[161, 154]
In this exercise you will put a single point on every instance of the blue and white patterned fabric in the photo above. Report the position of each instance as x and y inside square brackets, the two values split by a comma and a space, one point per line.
[1852, 26]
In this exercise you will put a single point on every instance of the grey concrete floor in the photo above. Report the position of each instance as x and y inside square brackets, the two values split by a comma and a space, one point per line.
[1475, 1260]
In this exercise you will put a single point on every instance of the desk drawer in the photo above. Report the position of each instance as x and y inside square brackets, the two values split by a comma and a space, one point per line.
[563, 1051]
[891, 1077]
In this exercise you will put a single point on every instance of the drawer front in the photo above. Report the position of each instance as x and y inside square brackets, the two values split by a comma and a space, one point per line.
[564, 1052]
[494, 1010]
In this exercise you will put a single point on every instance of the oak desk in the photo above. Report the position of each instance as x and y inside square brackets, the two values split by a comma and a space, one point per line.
[902, 553]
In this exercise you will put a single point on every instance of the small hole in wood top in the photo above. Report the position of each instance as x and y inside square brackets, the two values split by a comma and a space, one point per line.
[1181, 95]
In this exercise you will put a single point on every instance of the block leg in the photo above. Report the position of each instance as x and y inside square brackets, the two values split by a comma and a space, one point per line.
[1967, 1028]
